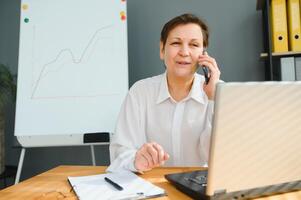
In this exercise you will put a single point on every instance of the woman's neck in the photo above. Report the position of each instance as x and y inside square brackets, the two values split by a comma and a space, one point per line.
[179, 88]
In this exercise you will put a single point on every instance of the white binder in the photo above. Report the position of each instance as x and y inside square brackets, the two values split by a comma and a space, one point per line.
[287, 69]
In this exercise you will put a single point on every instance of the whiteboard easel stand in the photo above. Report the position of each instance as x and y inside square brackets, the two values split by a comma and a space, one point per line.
[22, 155]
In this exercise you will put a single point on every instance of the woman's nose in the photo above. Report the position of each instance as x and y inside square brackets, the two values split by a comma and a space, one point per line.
[184, 51]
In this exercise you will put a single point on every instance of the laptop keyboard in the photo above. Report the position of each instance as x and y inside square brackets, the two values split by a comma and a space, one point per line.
[201, 179]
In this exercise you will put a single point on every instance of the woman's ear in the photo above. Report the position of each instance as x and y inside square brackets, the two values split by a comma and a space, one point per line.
[161, 51]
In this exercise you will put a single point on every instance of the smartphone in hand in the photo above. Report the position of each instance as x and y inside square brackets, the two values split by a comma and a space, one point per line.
[206, 73]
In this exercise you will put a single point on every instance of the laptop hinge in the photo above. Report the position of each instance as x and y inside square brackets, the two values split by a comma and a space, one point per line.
[220, 192]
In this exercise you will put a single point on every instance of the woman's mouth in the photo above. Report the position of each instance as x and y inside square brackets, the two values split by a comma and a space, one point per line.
[183, 63]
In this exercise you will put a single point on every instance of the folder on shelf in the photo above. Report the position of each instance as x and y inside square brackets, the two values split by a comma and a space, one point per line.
[294, 29]
[298, 68]
[279, 26]
[287, 68]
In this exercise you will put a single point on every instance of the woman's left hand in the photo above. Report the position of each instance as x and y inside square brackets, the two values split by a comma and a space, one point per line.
[213, 74]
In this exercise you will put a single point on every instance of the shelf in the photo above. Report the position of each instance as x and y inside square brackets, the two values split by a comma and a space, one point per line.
[282, 54]
[260, 4]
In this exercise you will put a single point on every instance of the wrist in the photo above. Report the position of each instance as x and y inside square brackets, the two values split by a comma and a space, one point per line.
[210, 96]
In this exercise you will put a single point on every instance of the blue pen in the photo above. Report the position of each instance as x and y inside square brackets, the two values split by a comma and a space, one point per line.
[115, 185]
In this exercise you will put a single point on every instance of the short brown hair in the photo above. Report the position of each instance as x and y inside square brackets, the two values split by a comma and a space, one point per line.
[182, 20]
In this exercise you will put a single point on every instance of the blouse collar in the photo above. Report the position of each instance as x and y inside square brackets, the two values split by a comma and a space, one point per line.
[195, 92]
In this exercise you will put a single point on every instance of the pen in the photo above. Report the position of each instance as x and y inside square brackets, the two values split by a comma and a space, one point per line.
[115, 185]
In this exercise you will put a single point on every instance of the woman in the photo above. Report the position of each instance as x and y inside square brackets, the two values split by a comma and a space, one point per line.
[166, 119]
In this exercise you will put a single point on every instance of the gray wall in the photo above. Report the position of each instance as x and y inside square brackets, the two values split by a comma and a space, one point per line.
[9, 33]
[235, 42]
[235, 39]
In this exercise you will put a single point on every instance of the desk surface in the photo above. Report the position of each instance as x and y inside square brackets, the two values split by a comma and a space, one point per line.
[53, 184]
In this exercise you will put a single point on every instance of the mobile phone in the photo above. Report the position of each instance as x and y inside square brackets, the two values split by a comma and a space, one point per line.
[206, 71]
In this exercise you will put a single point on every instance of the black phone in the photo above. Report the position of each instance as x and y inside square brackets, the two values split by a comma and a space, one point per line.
[206, 71]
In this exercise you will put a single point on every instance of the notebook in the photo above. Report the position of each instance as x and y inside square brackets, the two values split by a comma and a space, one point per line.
[95, 187]
[255, 144]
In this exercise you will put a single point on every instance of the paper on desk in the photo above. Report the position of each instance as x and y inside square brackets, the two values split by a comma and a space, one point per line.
[95, 187]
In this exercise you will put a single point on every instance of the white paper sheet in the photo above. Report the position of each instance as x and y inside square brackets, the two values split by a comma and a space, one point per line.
[95, 187]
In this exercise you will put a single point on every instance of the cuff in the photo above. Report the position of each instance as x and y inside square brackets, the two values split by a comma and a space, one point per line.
[124, 161]
[131, 163]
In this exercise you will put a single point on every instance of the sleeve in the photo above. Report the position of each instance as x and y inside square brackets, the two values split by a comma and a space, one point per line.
[129, 135]
[205, 136]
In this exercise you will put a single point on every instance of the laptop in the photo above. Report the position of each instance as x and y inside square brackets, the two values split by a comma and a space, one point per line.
[255, 144]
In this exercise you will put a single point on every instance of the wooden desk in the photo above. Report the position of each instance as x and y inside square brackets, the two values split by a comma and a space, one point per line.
[52, 185]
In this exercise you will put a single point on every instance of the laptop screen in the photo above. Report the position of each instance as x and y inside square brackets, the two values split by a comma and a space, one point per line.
[256, 136]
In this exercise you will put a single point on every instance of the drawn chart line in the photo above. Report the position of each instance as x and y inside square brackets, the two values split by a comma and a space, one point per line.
[74, 60]
[60, 68]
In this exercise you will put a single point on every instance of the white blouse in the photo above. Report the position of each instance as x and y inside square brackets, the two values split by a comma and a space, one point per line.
[150, 114]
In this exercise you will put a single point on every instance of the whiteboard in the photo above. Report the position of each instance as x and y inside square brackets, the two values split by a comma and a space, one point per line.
[72, 69]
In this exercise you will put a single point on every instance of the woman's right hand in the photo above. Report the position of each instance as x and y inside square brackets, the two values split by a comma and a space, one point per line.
[150, 155]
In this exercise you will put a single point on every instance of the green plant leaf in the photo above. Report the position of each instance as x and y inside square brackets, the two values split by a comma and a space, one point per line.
[7, 85]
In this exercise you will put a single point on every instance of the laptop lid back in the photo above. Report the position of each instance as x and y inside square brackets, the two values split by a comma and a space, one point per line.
[256, 137]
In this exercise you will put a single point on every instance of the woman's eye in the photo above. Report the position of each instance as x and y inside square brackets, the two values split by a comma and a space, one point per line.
[195, 45]
[175, 43]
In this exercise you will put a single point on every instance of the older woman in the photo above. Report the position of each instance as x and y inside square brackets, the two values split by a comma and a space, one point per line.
[166, 119]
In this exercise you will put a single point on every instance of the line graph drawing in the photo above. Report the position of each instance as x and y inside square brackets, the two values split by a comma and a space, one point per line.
[72, 68]
[65, 60]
